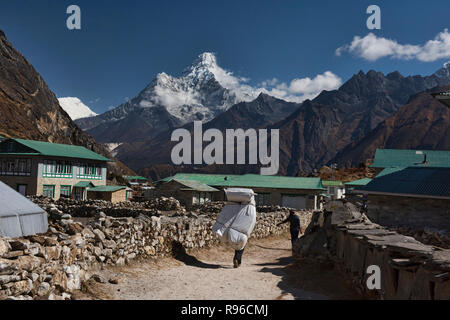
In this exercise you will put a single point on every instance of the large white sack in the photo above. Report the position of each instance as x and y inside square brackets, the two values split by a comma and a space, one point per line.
[236, 239]
[239, 195]
[235, 224]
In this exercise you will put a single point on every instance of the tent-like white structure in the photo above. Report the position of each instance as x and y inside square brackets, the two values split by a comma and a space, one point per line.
[19, 216]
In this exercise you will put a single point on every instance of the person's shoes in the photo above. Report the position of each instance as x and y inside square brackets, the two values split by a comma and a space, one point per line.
[236, 263]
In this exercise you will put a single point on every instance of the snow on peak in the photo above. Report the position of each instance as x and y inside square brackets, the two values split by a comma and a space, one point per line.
[75, 108]
[205, 90]
[444, 72]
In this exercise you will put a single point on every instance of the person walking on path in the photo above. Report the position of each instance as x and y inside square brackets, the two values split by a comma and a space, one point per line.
[237, 260]
[295, 227]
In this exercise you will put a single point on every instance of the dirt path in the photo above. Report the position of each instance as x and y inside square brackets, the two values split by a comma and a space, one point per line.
[266, 273]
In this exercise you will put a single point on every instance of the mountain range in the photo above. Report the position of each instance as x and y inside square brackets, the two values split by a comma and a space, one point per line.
[312, 133]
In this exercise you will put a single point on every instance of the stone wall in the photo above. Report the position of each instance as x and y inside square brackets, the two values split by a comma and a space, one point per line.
[52, 265]
[415, 213]
[409, 269]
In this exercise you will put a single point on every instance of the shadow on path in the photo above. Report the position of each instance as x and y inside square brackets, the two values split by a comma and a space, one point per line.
[180, 254]
[269, 248]
[308, 281]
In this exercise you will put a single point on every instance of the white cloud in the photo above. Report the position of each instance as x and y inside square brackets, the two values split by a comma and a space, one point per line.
[373, 48]
[300, 89]
[297, 90]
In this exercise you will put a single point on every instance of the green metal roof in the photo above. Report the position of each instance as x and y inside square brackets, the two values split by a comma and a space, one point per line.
[386, 158]
[389, 171]
[251, 181]
[107, 188]
[412, 181]
[196, 185]
[60, 150]
[135, 178]
[84, 184]
[332, 183]
[360, 182]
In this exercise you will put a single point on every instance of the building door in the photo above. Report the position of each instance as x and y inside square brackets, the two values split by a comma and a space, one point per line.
[22, 189]
[293, 201]
[79, 193]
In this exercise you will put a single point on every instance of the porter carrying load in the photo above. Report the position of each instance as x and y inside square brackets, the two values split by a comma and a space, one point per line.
[237, 218]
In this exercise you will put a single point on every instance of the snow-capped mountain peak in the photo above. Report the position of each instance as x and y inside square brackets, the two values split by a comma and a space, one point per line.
[75, 108]
[444, 72]
[201, 92]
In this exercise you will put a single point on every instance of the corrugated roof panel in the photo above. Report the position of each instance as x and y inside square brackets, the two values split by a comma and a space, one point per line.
[61, 150]
[135, 178]
[432, 182]
[251, 181]
[196, 185]
[107, 188]
[84, 184]
[360, 182]
[386, 158]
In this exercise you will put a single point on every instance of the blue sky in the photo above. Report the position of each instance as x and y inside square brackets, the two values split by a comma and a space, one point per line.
[124, 44]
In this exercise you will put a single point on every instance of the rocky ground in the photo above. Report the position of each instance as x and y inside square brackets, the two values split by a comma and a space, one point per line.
[267, 272]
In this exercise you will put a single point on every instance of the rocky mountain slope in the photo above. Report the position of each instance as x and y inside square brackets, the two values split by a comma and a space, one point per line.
[30, 110]
[423, 123]
[319, 129]
[201, 93]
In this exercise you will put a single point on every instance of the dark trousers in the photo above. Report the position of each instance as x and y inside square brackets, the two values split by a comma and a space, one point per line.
[294, 235]
[238, 255]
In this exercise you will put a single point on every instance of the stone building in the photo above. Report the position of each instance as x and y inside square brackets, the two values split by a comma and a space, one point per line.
[188, 192]
[112, 194]
[50, 169]
[414, 197]
[293, 192]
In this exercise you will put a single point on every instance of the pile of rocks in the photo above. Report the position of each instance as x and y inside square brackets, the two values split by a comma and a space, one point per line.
[53, 265]
[164, 204]
[438, 238]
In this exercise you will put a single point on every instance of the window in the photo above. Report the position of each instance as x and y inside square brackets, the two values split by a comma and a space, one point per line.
[262, 199]
[57, 169]
[15, 167]
[89, 171]
[48, 191]
[22, 189]
[66, 191]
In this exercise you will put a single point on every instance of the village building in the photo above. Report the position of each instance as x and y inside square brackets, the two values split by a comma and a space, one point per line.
[415, 197]
[136, 180]
[293, 192]
[188, 192]
[335, 189]
[50, 169]
[112, 194]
